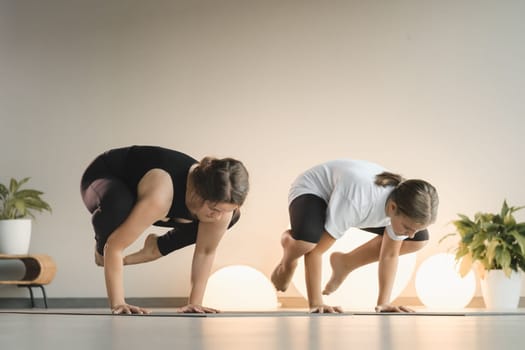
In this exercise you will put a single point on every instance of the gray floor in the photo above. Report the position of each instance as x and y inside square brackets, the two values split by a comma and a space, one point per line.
[62, 329]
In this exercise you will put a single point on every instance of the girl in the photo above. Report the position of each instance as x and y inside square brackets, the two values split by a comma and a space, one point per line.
[129, 189]
[327, 200]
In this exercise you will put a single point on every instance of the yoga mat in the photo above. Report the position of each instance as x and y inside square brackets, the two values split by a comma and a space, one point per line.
[294, 313]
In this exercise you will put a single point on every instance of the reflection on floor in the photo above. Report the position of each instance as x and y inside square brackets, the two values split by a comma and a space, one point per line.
[290, 329]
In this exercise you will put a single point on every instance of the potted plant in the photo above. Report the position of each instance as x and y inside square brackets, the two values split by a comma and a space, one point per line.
[16, 211]
[495, 244]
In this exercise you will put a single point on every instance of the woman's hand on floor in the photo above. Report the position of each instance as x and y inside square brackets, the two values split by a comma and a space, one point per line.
[128, 310]
[197, 309]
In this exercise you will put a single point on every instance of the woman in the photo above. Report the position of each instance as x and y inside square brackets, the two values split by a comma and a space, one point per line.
[129, 189]
[328, 199]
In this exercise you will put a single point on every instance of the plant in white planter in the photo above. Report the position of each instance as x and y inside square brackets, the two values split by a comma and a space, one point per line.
[495, 244]
[17, 207]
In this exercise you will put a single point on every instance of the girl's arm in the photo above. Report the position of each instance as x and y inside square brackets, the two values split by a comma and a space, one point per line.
[208, 238]
[388, 260]
[313, 269]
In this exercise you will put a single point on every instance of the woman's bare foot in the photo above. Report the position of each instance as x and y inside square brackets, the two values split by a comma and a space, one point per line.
[149, 252]
[339, 272]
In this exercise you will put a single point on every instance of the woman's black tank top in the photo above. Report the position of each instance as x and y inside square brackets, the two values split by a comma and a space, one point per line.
[130, 164]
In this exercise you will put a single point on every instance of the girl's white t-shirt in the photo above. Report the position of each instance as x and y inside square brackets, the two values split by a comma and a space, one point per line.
[348, 188]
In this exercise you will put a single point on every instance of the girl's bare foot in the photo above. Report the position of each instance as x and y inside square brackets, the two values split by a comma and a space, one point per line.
[339, 273]
[281, 277]
[282, 274]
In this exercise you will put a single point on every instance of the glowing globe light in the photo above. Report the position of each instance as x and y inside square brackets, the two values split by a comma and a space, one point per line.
[439, 284]
[240, 288]
[360, 289]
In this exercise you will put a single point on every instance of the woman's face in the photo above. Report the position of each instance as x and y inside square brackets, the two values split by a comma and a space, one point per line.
[212, 211]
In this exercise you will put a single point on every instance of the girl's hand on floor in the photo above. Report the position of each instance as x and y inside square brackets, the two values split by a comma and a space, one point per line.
[198, 309]
[326, 309]
[392, 308]
[128, 310]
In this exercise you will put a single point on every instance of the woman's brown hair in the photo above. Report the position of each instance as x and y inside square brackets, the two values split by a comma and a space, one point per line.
[221, 180]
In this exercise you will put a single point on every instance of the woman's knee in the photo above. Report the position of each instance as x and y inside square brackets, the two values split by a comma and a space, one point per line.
[114, 204]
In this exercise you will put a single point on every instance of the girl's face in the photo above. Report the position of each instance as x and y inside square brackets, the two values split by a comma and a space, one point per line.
[402, 224]
[405, 226]
[212, 211]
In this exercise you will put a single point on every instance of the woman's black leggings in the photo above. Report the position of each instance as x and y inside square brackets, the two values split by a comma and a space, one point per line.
[110, 202]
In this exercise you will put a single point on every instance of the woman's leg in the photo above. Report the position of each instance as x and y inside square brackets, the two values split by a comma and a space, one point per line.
[110, 203]
[185, 234]
[307, 218]
[344, 263]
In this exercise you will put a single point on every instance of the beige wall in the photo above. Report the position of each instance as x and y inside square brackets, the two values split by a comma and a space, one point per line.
[431, 89]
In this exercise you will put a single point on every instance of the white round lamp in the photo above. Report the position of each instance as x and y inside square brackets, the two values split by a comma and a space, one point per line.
[440, 286]
[240, 288]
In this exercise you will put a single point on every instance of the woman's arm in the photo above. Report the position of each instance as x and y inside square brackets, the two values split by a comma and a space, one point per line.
[208, 238]
[141, 217]
[152, 205]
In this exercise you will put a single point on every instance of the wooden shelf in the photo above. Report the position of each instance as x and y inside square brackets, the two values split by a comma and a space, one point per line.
[40, 269]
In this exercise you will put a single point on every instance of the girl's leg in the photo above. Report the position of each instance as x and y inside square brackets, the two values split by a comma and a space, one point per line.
[292, 250]
[307, 218]
[344, 263]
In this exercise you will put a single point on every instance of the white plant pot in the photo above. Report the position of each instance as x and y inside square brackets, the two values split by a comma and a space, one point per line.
[15, 236]
[500, 291]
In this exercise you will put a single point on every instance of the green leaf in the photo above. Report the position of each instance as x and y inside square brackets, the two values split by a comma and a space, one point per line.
[491, 251]
[466, 265]
[461, 251]
[28, 194]
[504, 209]
[20, 206]
[509, 220]
[3, 191]
[16, 203]
[505, 259]
[520, 227]
[519, 239]
[478, 241]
